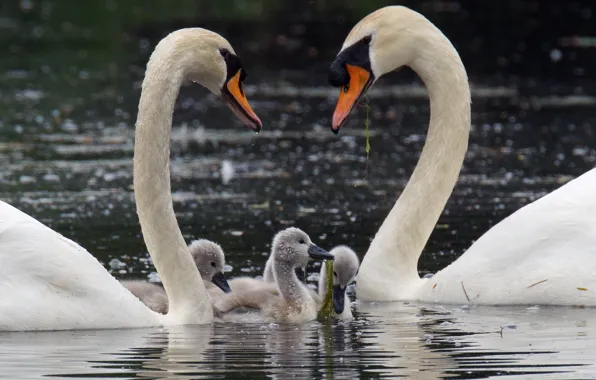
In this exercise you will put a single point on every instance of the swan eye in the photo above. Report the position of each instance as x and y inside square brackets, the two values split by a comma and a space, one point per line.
[224, 53]
[366, 40]
[335, 273]
[301, 241]
[213, 264]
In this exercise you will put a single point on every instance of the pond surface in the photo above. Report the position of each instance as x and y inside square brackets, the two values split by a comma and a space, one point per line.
[391, 340]
[66, 140]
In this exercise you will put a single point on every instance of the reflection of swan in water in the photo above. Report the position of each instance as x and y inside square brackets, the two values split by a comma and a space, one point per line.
[157, 353]
[386, 339]
[40, 354]
[184, 355]
[430, 342]
[287, 346]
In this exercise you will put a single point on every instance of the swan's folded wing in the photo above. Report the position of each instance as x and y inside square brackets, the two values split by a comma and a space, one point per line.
[259, 299]
[544, 253]
[49, 282]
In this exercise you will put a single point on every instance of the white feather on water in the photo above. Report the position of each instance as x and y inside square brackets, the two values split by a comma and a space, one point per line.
[227, 171]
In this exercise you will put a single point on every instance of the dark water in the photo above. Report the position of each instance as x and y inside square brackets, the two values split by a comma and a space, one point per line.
[69, 86]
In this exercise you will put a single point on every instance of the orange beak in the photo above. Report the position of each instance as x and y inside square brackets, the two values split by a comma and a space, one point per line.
[234, 97]
[360, 81]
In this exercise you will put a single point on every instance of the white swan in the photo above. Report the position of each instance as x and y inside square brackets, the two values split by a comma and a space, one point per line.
[545, 253]
[48, 282]
[209, 259]
[345, 269]
[289, 300]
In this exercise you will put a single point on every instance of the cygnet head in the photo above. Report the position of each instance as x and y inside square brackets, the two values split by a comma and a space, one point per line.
[205, 57]
[345, 269]
[381, 42]
[294, 247]
[210, 261]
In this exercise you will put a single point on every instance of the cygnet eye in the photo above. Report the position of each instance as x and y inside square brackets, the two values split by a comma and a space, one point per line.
[335, 273]
[301, 241]
[213, 264]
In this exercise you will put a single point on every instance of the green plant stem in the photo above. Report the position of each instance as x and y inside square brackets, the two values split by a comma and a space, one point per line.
[326, 312]
[366, 124]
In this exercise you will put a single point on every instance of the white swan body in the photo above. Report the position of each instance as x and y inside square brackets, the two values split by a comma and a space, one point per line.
[545, 253]
[48, 282]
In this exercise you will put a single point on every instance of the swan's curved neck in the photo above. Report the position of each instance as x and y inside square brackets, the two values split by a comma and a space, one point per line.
[404, 233]
[288, 283]
[188, 302]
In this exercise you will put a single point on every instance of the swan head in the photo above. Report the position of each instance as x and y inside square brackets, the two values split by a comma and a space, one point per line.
[210, 261]
[294, 247]
[381, 42]
[206, 58]
[345, 269]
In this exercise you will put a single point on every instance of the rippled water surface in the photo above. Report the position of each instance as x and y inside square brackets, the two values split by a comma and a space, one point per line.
[384, 341]
[68, 97]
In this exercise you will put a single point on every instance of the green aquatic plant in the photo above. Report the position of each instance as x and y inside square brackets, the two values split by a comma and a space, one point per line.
[366, 124]
[326, 312]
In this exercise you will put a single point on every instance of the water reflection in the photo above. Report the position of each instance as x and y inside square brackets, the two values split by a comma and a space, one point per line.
[487, 341]
[386, 340]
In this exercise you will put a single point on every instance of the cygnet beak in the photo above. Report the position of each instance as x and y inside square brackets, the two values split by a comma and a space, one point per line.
[317, 253]
[221, 282]
[338, 297]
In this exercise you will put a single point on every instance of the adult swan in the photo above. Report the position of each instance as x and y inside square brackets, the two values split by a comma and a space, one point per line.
[48, 282]
[545, 253]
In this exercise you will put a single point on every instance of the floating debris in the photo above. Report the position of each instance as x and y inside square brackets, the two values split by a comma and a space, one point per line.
[466, 293]
[153, 277]
[536, 283]
[116, 264]
[25, 179]
[509, 326]
[227, 171]
[428, 338]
